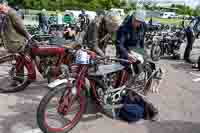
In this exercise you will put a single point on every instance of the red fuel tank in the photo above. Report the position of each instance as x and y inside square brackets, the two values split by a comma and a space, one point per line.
[48, 51]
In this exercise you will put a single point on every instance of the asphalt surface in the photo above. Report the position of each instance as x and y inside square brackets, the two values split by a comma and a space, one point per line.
[177, 101]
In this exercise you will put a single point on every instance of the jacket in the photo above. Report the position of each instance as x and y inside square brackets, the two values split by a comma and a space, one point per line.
[128, 37]
[13, 32]
[96, 31]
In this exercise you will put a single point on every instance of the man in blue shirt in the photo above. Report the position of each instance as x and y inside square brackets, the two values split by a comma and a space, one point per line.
[130, 38]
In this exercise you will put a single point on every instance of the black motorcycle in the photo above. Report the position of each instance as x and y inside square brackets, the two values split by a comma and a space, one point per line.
[167, 44]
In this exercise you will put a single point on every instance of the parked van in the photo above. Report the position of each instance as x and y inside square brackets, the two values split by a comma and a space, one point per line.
[168, 15]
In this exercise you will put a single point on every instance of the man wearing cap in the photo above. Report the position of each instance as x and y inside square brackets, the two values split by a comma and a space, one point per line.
[130, 44]
[12, 29]
[130, 37]
[100, 31]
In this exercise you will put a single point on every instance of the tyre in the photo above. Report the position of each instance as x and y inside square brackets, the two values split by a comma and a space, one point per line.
[149, 67]
[10, 80]
[199, 63]
[176, 56]
[156, 52]
[61, 99]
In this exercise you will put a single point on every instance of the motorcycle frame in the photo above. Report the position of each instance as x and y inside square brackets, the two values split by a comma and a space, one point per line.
[121, 80]
[82, 75]
[29, 61]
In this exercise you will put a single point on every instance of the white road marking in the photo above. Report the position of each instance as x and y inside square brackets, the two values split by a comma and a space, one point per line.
[33, 131]
[196, 80]
[195, 74]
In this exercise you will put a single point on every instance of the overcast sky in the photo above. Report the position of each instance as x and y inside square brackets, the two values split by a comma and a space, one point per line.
[192, 3]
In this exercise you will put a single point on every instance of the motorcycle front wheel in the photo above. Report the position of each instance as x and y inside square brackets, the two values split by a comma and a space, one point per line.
[59, 111]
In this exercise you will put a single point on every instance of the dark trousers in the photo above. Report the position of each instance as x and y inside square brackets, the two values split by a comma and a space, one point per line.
[188, 50]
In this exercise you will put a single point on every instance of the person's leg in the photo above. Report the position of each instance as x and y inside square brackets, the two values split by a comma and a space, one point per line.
[187, 52]
[18, 73]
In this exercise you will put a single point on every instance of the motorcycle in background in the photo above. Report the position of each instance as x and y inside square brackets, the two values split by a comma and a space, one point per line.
[20, 68]
[167, 44]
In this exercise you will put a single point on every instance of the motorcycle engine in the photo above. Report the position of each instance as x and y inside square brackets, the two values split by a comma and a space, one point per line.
[46, 64]
[110, 95]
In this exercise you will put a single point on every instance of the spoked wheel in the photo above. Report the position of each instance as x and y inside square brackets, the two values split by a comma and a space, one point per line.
[198, 63]
[148, 78]
[156, 52]
[60, 111]
[12, 80]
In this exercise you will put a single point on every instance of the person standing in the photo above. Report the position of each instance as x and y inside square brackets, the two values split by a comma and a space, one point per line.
[190, 41]
[43, 21]
[19, 12]
[83, 18]
[60, 18]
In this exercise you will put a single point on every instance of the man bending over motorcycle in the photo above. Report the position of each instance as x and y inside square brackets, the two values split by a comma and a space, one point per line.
[100, 31]
[130, 41]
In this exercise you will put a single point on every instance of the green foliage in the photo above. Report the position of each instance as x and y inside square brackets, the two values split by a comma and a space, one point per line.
[196, 12]
[185, 10]
[68, 4]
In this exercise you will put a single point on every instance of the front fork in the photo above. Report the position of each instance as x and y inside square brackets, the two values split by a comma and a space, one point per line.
[68, 98]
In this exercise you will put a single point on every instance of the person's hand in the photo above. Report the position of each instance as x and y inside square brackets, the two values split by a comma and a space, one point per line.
[132, 60]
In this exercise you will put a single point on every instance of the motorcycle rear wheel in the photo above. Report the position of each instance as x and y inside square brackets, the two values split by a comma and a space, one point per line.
[14, 82]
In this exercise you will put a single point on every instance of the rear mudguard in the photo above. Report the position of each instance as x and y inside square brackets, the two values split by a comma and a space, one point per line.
[25, 60]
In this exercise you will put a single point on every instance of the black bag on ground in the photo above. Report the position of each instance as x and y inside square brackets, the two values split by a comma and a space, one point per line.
[136, 107]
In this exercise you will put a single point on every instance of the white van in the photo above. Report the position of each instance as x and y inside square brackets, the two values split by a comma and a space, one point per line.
[168, 15]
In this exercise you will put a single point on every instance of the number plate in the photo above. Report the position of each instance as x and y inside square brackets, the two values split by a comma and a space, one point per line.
[82, 57]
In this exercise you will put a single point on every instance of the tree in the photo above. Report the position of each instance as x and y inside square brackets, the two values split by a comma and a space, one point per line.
[173, 5]
[196, 12]
[68, 4]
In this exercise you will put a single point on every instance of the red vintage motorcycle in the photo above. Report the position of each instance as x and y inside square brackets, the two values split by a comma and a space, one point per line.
[19, 70]
[61, 109]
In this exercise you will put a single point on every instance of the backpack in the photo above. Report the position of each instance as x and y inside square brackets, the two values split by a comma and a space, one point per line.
[133, 111]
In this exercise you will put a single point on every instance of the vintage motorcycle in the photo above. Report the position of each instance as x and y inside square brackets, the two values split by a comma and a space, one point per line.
[167, 44]
[61, 109]
[18, 70]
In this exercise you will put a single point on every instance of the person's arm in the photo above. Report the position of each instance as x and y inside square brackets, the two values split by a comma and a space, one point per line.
[18, 23]
[120, 44]
[143, 35]
[93, 39]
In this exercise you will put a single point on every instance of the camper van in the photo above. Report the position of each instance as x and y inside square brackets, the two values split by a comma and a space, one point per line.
[168, 15]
